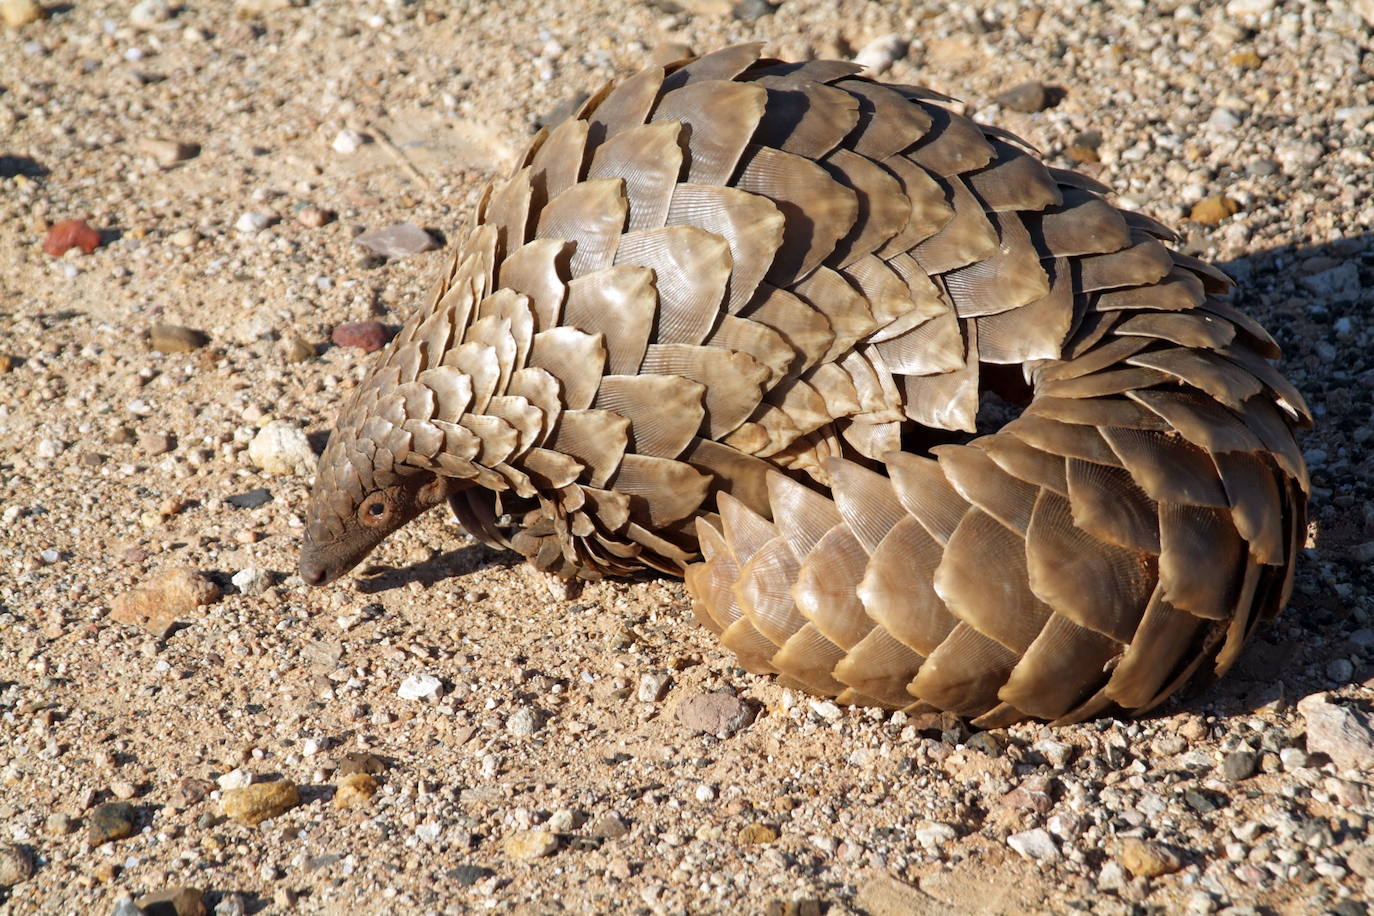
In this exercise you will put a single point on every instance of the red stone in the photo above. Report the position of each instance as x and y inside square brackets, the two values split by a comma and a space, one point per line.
[69, 234]
[365, 335]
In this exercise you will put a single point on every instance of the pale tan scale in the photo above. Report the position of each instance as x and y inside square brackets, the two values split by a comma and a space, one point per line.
[742, 321]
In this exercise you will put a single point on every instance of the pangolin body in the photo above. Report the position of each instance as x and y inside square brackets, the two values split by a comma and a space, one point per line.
[733, 322]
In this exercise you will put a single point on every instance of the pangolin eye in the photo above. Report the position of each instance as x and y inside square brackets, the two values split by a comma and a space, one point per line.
[376, 509]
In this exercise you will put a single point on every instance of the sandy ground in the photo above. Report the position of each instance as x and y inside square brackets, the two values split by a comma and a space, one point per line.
[540, 778]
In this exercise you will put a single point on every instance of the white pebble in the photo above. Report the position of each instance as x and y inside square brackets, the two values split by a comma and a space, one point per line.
[882, 52]
[651, 687]
[235, 779]
[1034, 844]
[705, 793]
[825, 709]
[420, 687]
[49, 556]
[148, 13]
[251, 581]
[1223, 119]
[251, 223]
[281, 448]
[349, 141]
[312, 746]
[50, 448]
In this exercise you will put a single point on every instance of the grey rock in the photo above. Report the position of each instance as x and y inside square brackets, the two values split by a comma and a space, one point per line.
[1342, 733]
[749, 10]
[1338, 281]
[1034, 844]
[398, 241]
[1340, 670]
[231, 905]
[525, 721]
[1030, 96]
[16, 865]
[715, 713]
[1239, 765]
[608, 827]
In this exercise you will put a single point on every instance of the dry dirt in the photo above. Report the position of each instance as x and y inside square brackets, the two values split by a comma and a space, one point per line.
[118, 462]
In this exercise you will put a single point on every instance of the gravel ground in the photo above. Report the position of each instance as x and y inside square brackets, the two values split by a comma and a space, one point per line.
[444, 731]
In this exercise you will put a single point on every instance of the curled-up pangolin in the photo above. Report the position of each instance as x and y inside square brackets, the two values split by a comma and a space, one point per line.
[733, 322]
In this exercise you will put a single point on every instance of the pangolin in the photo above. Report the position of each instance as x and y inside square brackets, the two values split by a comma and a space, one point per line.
[752, 322]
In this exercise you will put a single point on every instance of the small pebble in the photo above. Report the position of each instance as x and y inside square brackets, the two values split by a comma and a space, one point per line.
[1085, 147]
[420, 687]
[297, 349]
[1239, 765]
[530, 844]
[173, 901]
[251, 223]
[252, 581]
[69, 234]
[313, 217]
[1223, 119]
[59, 824]
[368, 336]
[468, 875]
[167, 153]
[1340, 670]
[349, 141]
[184, 238]
[17, 13]
[174, 595]
[715, 713]
[173, 338]
[398, 241]
[147, 14]
[256, 803]
[652, 687]
[231, 904]
[355, 790]
[1343, 733]
[608, 827]
[1146, 859]
[750, 10]
[282, 448]
[1034, 844]
[525, 721]
[236, 778]
[110, 821]
[16, 865]
[881, 53]
[1211, 210]
[756, 834]
[361, 762]
[1030, 96]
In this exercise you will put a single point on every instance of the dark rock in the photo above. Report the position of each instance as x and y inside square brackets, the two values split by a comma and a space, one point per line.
[173, 901]
[251, 499]
[468, 875]
[110, 821]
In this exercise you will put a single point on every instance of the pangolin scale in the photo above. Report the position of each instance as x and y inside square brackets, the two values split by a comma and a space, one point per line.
[734, 321]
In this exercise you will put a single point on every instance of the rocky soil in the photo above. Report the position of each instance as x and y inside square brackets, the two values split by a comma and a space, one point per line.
[444, 732]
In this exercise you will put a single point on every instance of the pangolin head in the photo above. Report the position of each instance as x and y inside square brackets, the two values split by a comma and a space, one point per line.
[361, 495]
